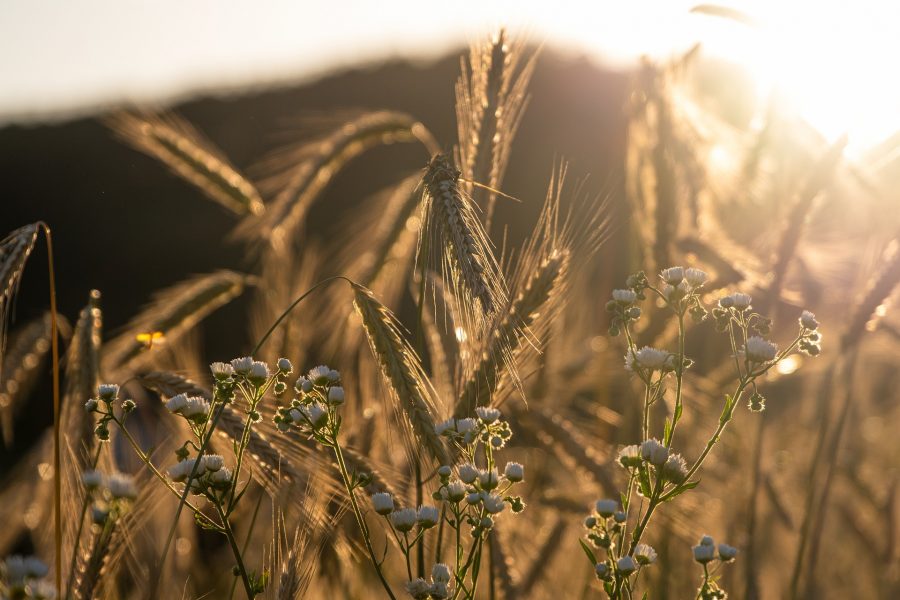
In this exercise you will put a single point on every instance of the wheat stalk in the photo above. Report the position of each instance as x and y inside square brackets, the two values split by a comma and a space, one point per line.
[15, 249]
[179, 146]
[82, 372]
[320, 162]
[400, 366]
[173, 312]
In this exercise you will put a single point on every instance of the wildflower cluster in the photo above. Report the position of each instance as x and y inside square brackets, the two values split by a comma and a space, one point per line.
[470, 498]
[239, 386]
[22, 578]
[313, 409]
[656, 473]
[707, 554]
[110, 495]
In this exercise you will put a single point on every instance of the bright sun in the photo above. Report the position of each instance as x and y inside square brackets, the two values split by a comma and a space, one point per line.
[833, 62]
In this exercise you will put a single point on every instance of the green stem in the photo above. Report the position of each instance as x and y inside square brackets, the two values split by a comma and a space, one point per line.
[229, 533]
[360, 520]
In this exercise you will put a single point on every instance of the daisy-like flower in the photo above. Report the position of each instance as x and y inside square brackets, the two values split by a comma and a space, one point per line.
[736, 300]
[488, 479]
[727, 553]
[427, 517]
[108, 391]
[303, 385]
[654, 452]
[630, 456]
[644, 554]
[440, 573]
[418, 588]
[626, 565]
[259, 372]
[675, 469]
[180, 470]
[467, 472]
[242, 365]
[456, 491]
[285, 366]
[624, 297]
[221, 370]
[493, 503]
[176, 403]
[475, 497]
[695, 277]
[195, 408]
[404, 519]
[759, 350]
[336, 396]
[320, 375]
[704, 553]
[220, 478]
[383, 503]
[212, 462]
[651, 359]
[316, 413]
[606, 507]
[514, 472]
[808, 320]
[673, 275]
[487, 414]
[121, 486]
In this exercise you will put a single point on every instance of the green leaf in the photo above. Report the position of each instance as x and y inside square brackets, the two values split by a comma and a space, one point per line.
[644, 481]
[667, 432]
[683, 488]
[588, 552]
[727, 409]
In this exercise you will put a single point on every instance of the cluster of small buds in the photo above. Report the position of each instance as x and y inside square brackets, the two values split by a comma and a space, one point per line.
[669, 465]
[318, 395]
[705, 553]
[810, 338]
[604, 523]
[211, 476]
[488, 427]
[111, 494]
[102, 405]
[438, 588]
[681, 290]
[738, 307]
[22, 577]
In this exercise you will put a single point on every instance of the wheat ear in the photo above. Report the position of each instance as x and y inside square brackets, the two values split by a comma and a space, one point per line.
[180, 147]
[82, 373]
[412, 392]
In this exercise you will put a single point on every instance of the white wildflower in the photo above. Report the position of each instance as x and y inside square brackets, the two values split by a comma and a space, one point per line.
[624, 297]
[475, 497]
[673, 275]
[90, 405]
[456, 491]
[514, 472]
[487, 414]
[221, 370]
[418, 588]
[336, 396]
[316, 414]
[242, 365]
[404, 519]
[626, 565]
[320, 375]
[676, 292]
[221, 477]
[467, 472]
[675, 469]
[644, 554]
[602, 570]
[439, 590]
[488, 479]
[195, 408]
[383, 503]
[121, 486]
[654, 452]
[440, 573]
[704, 553]
[647, 358]
[630, 456]
[759, 350]
[736, 300]
[108, 391]
[428, 517]
[259, 371]
[494, 503]
[177, 403]
[695, 277]
[285, 366]
[212, 462]
[606, 507]
[181, 470]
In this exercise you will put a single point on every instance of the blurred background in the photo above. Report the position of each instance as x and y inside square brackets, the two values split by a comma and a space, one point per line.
[758, 139]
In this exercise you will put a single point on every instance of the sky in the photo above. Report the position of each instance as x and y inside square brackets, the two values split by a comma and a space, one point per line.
[60, 58]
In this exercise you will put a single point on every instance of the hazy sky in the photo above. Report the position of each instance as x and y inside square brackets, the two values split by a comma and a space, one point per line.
[58, 56]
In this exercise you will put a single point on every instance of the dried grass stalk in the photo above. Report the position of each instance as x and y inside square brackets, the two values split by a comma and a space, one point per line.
[414, 402]
[15, 249]
[174, 142]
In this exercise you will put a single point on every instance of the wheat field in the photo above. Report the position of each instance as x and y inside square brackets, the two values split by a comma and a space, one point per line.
[682, 391]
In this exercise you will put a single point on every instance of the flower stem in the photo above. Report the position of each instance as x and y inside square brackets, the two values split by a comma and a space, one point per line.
[229, 533]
